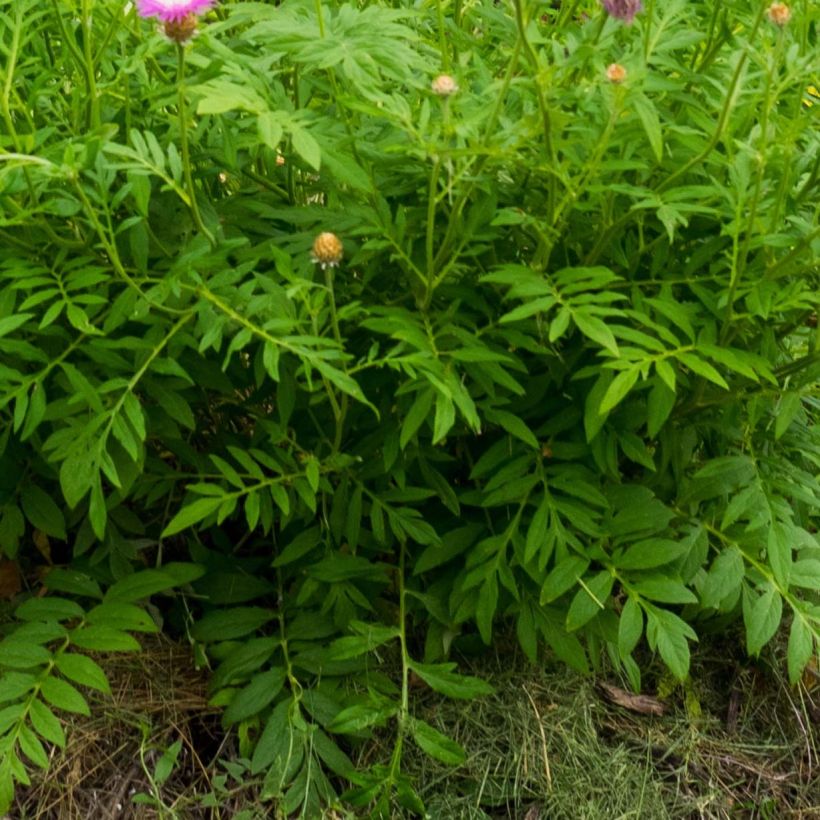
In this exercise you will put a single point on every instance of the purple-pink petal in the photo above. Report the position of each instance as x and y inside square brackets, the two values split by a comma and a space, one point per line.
[623, 9]
[172, 10]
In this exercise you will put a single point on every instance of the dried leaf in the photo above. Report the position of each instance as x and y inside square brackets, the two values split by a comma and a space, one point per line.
[642, 704]
[10, 581]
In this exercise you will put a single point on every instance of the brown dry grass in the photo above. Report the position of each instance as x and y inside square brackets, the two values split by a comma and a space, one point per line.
[738, 743]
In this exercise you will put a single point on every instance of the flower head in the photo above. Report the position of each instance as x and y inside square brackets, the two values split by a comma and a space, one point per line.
[180, 31]
[623, 9]
[779, 13]
[327, 250]
[615, 73]
[173, 11]
[444, 85]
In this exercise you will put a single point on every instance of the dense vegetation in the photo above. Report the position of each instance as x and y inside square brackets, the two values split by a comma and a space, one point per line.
[339, 337]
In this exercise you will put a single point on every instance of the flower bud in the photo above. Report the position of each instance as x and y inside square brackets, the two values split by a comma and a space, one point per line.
[444, 85]
[327, 250]
[779, 14]
[623, 9]
[181, 30]
[615, 73]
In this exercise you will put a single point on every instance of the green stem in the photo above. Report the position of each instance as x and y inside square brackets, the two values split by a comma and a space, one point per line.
[442, 38]
[724, 113]
[186, 156]
[334, 320]
[432, 193]
[743, 255]
[90, 73]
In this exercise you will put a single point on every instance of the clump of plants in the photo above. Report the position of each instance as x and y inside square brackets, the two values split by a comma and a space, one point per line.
[334, 335]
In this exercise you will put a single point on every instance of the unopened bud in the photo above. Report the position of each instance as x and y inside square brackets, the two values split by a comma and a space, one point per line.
[327, 250]
[444, 85]
[615, 73]
[180, 31]
[779, 14]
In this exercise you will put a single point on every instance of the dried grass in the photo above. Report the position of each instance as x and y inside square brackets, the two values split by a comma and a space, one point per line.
[739, 744]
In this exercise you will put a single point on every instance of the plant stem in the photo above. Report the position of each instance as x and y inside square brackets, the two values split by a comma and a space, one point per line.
[334, 320]
[88, 59]
[186, 156]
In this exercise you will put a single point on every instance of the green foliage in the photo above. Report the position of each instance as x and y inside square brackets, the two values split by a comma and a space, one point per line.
[565, 376]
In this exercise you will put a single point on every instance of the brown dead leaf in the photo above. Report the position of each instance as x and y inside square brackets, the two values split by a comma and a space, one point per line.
[10, 581]
[643, 704]
[43, 544]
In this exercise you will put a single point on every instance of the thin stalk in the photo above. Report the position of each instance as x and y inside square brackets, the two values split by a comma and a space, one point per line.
[650, 13]
[404, 706]
[724, 113]
[90, 72]
[453, 224]
[431, 228]
[334, 320]
[546, 122]
[186, 155]
[442, 37]
[743, 254]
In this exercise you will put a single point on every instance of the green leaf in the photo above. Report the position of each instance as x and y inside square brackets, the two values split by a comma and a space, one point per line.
[723, 579]
[82, 670]
[617, 390]
[302, 544]
[18, 654]
[443, 679]
[650, 120]
[228, 624]
[254, 697]
[269, 126]
[277, 743]
[630, 626]
[31, 747]
[779, 552]
[664, 588]
[49, 608]
[192, 514]
[361, 716]
[589, 600]
[125, 617]
[416, 415]
[526, 634]
[332, 756]
[13, 685]
[140, 585]
[64, 696]
[304, 143]
[805, 574]
[103, 639]
[563, 577]
[436, 744]
[46, 724]
[594, 328]
[165, 765]
[800, 649]
[486, 608]
[513, 425]
[42, 512]
[445, 417]
[9, 324]
[762, 618]
[650, 553]
[703, 368]
[537, 532]
[668, 634]
[787, 410]
[660, 403]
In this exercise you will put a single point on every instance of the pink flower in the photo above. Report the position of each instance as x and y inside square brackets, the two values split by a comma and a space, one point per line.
[623, 9]
[172, 10]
